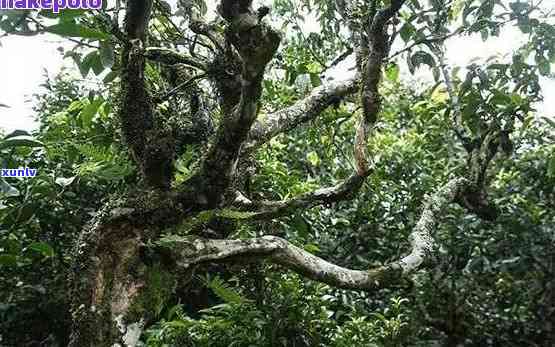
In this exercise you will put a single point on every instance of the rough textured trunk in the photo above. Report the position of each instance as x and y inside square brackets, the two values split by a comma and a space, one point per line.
[104, 288]
[120, 284]
[115, 291]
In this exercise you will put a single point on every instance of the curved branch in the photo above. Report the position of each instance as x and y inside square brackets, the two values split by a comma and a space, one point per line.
[272, 209]
[378, 44]
[304, 110]
[187, 251]
[178, 88]
[171, 57]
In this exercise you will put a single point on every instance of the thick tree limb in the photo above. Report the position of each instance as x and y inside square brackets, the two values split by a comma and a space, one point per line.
[190, 251]
[256, 44]
[150, 142]
[372, 70]
[304, 110]
[481, 151]
[321, 97]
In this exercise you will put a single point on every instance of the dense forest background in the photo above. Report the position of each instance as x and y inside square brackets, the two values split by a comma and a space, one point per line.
[490, 282]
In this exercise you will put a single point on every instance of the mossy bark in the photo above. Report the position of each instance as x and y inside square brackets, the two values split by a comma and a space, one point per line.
[116, 288]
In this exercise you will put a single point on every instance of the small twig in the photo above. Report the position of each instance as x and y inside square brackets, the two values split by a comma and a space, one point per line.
[41, 27]
[175, 90]
[339, 59]
[427, 40]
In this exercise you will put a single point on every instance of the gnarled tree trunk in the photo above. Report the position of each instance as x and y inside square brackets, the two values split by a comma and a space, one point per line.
[125, 272]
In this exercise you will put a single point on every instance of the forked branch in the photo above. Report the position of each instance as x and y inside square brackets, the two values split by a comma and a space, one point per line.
[187, 251]
[256, 44]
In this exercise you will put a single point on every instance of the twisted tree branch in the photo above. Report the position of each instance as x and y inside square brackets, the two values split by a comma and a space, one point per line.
[171, 57]
[150, 143]
[256, 44]
[270, 125]
[187, 251]
[273, 209]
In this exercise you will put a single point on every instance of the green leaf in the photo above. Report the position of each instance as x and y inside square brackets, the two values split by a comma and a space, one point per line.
[22, 140]
[500, 98]
[84, 65]
[549, 121]
[96, 63]
[70, 29]
[551, 166]
[469, 114]
[91, 61]
[88, 113]
[313, 158]
[110, 77]
[392, 72]
[407, 30]
[8, 260]
[43, 248]
[544, 67]
[225, 292]
[519, 7]
[315, 80]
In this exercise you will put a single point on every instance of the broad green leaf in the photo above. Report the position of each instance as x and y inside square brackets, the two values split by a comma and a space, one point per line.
[110, 77]
[544, 67]
[407, 30]
[43, 248]
[392, 72]
[315, 80]
[500, 98]
[313, 158]
[88, 113]
[22, 140]
[75, 106]
[91, 61]
[551, 166]
[96, 63]
[70, 29]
